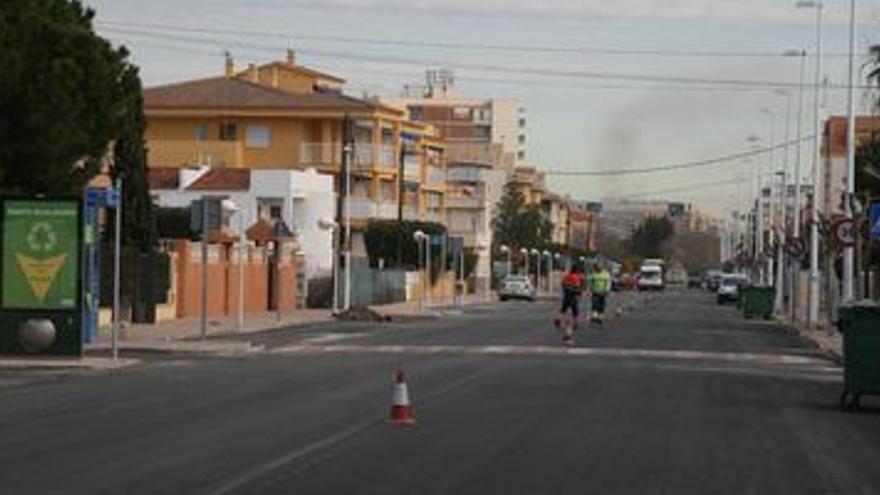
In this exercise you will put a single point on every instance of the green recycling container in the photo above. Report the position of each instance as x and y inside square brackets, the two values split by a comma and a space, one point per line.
[860, 324]
[757, 301]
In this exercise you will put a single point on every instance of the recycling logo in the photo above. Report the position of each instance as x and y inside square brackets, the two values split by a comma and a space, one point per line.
[41, 238]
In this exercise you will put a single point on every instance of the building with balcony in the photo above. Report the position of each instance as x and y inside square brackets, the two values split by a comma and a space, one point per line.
[555, 209]
[531, 184]
[476, 130]
[473, 190]
[284, 116]
[834, 159]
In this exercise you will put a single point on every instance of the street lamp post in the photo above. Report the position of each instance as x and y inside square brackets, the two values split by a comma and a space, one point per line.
[771, 237]
[506, 250]
[549, 256]
[420, 237]
[813, 315]
[232, 208]
[333, 227]
[796, 210]
[537, 255]
[849, 251]
[525, 253]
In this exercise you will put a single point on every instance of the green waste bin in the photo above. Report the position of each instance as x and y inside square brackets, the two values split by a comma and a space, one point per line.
[757, 301]
[860, 324]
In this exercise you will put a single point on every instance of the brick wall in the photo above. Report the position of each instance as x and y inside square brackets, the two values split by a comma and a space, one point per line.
[223, 280]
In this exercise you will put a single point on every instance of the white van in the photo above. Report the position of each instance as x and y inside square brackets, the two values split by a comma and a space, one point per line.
[650, 278]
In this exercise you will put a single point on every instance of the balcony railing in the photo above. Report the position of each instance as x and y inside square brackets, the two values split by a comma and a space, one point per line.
[465, 202]
[436, 175]
[412, 167]
[472, 152]
[320, 154]
[465, 174]
[367, 154]
[185, 152]
[365, 208]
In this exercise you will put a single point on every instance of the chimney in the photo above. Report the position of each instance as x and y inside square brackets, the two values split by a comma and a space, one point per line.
[230, 65]
[291, 57]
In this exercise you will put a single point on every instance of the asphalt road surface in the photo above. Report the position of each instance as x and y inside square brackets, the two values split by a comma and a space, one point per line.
[678, 396]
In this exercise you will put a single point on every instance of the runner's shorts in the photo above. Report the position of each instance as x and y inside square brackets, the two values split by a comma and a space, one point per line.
[570, 301]
[598, 303]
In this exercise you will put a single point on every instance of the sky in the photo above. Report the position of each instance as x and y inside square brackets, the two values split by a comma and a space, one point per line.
[606, 85]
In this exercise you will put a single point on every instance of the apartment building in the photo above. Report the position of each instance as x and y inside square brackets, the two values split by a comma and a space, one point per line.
[476, 130]
[556, 210]
[834, 159]
[531, 183]
[473, 190]
[281, 115]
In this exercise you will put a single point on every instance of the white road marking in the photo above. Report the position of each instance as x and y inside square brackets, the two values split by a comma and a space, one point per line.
[537, 350]
[327, 338]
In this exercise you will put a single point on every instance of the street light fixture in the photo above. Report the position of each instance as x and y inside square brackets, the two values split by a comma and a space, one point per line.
[327, 224]
[420, 237]
[506, 250]
[813, 313]
[525, 253]
[537, 255]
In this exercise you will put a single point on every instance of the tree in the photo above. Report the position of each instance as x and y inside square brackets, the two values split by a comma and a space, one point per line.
[64, 93]
[517, 224]
[868, 166]
[648, 238]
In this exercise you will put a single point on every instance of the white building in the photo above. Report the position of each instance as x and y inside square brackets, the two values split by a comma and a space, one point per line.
[298, 198]
[472, 191]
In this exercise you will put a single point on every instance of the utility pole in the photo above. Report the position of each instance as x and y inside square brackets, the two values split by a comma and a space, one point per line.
[117, 265]
[813, 317]
[849, 252]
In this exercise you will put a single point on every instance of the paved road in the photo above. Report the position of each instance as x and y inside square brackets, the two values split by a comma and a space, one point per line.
[680, 396]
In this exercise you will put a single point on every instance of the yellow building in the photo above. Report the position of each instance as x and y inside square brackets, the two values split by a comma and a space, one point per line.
[283, 115]
[531, 184]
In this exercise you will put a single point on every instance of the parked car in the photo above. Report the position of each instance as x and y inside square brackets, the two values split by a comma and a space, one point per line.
[730, 287]
[516, 287]
[695, 282]
[650, 278]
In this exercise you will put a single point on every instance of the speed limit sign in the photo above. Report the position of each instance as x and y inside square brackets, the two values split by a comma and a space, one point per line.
[844, 232]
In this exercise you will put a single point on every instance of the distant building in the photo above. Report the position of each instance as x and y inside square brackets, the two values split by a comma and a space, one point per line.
[834, 159]
[475, 130]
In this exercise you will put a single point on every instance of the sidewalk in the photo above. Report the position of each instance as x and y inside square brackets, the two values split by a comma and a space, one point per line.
[183, 335]
[59, 363]
[418, 310]
[826, 337]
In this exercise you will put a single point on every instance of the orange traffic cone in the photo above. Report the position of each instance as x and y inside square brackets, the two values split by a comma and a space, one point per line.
[401, 410]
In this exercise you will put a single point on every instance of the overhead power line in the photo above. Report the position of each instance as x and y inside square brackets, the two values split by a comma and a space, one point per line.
[680, 189]
[676, 166]
[447, 45]
[518, 70]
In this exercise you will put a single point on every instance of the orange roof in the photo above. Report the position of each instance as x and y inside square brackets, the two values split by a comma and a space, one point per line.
[223, 179]
[237, 94]
[834, 140]
[163, 178]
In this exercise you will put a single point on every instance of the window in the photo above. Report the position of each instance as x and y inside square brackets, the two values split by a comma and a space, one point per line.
[228, 132]
[461, 113]
[275, 212]
[256, 136]
[200, 133]
[522, 139]
[416, 113]
[521, 155]
[483, 132]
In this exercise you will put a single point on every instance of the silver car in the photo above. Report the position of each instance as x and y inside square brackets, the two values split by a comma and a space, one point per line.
[516, 287]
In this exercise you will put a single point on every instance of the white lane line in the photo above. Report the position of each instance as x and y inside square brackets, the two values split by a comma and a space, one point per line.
[327, 338]
[537, 350]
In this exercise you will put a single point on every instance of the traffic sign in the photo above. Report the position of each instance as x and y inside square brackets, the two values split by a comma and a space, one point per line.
[874, 219]
[844, 232]
[796, 247]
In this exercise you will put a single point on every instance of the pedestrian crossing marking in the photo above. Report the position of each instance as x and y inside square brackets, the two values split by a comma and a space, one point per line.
[540, 350]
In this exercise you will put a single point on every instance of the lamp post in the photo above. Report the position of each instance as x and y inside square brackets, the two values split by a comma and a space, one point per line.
[771, 237]
[420, 237]
[333, 227]
[537, 255]
[783, 208]
[813, 315]
[525, 253]
[506, 250]
[849, 251]
[549, 256]
[796, 210]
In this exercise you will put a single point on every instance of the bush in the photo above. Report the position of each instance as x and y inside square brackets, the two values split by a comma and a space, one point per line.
[382, 237]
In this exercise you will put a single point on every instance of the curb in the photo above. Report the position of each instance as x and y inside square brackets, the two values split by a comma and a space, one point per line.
[199, 348]
[811, 337]
[54, 364]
